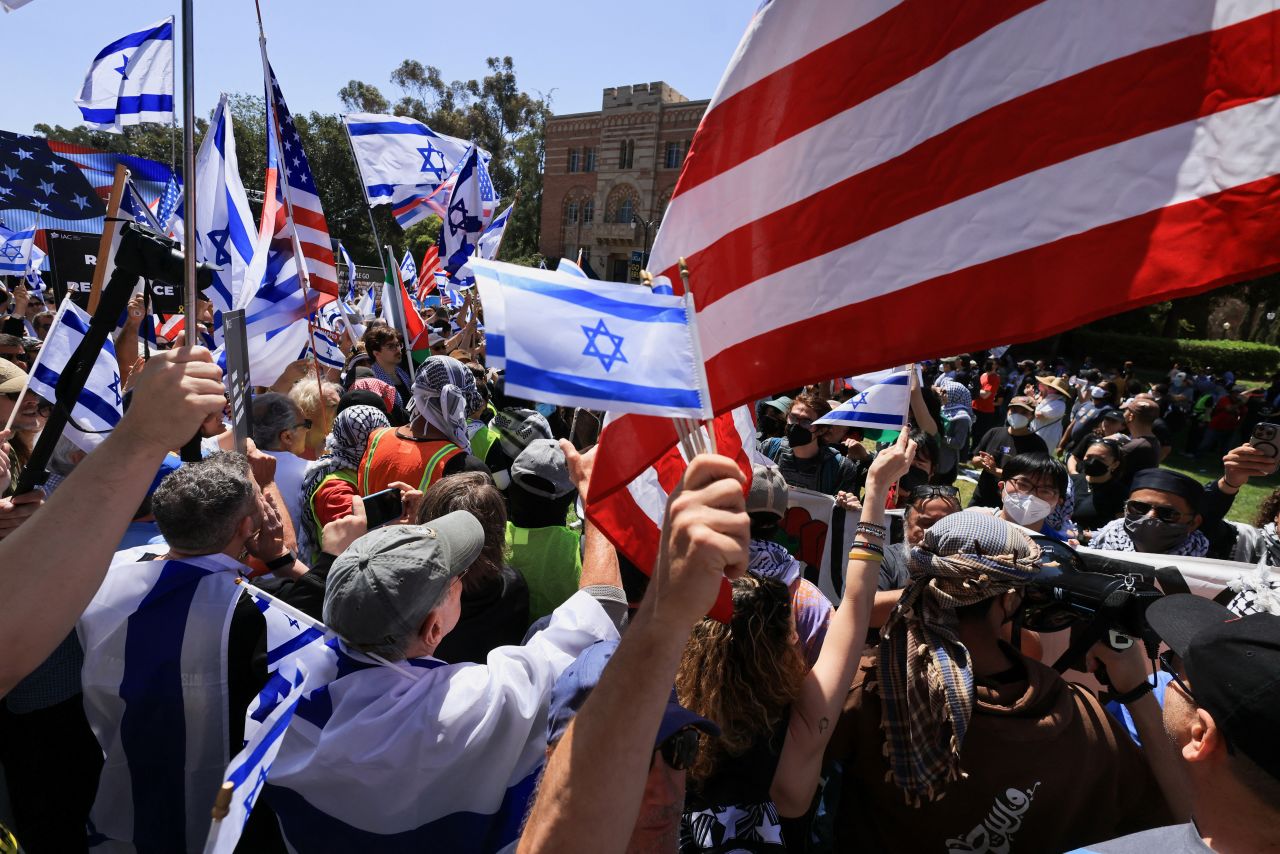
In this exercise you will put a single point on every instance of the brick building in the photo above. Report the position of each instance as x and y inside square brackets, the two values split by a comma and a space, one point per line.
[605, 169]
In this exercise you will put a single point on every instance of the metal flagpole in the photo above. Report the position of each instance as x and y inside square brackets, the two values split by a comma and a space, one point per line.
[189, 167]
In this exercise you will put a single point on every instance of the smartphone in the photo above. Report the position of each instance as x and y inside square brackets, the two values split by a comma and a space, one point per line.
[383, 507]
[1266, 438]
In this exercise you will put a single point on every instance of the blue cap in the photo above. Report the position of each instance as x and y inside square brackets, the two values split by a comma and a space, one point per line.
[575, 684]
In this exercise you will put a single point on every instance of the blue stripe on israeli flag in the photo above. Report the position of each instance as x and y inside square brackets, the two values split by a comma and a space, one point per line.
[400, 157]
[599, 345]
[99, 405]
[226, 237]
[130, 81]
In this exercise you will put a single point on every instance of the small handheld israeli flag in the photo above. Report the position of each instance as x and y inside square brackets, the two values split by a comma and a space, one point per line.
[408, 270]
[131, 81]
[488, 242]
[597, 345]
[572, 268]
[882, 403]
[17, 249]
[99, 407]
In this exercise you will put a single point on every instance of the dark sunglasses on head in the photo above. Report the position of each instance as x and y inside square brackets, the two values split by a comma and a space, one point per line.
[928, 491]
[1171, 663]
[680, 750]
[1163, 512]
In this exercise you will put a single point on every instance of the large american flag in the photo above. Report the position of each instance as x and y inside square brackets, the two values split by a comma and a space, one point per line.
[280, 298]
[877, 181]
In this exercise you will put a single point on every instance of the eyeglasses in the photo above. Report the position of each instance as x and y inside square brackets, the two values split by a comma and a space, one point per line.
[19, 358]
[929, 491]
[1163, 512]
[305, 424]
[680, 750]
[1171, 663]
[1044, 493]
[803, 422]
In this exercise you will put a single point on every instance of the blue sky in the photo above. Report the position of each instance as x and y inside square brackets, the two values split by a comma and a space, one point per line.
[570, 49]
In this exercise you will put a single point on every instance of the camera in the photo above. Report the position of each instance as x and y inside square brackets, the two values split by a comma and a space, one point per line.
[1097, 597]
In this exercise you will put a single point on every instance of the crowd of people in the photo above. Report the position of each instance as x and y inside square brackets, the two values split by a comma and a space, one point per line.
[510, 681]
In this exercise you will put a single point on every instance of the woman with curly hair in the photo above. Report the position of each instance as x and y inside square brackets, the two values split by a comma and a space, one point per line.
[775, 718]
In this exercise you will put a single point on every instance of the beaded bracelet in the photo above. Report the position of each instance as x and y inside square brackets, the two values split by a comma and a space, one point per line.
[873, 547]
[871, 529]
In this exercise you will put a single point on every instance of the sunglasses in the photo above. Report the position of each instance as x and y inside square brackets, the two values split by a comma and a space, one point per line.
[680, 750]
[1171, 663]
[930, 491]
[305, 424]
[1163, 512]
[43, 407]
[17, 358]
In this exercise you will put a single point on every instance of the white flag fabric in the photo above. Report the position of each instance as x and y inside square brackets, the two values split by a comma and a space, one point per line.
[470, 210]
[130, 81]
[408, 271]
[226, 235]
[489, 241]
[445, 760]
[155, 694]
[572, 268]
[98, 409]
[880, 406]
[597, 345]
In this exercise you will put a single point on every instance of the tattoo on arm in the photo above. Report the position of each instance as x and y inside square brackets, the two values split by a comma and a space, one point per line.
[823, 724]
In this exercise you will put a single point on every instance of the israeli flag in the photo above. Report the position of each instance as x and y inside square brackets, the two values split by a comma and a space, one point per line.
[572, 268]
[444, 758]
[365, 309]
[881, 405]
[468, 213]
[408, 270]
[599, 345]
[131, 81]
[155, 694]
[16, 251]
[488, 243]
[98, 409]
[400, 157]
[226, 236]
[351, 272]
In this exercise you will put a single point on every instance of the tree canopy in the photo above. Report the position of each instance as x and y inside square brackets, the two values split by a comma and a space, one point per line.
[494, 112]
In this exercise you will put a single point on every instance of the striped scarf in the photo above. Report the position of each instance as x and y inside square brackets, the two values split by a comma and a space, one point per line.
[1113, 537]
[924, 674]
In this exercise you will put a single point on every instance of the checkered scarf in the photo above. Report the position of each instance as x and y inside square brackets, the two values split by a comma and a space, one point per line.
[924, 675]
[1113, 537]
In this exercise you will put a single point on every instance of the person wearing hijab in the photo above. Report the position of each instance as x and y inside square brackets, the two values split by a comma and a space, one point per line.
[435, 443]
[957, 418]
[951, 739]
[329, 483]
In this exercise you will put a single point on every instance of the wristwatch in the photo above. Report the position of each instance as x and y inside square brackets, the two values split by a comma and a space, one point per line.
[285, 561]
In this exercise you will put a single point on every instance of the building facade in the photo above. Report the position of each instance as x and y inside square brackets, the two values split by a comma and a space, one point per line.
[609, 173]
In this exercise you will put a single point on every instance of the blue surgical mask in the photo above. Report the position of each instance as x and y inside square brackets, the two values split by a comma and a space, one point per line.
[546, 410]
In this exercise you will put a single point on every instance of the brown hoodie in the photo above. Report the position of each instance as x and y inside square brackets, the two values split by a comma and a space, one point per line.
[1047, 770]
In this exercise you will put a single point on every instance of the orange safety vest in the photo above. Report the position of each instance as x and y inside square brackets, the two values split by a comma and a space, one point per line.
[391, 458]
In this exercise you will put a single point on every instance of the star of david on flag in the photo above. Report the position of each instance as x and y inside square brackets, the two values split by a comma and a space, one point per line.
[98, 408]
[130, 81]
[599, 345]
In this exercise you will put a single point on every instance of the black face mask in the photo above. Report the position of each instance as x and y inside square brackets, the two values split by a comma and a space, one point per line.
[1153, 536]
[1095, 467]
[798, 435]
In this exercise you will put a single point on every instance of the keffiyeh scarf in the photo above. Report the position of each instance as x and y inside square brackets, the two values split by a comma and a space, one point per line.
[444, 392]
[1113, 537]
[402, 377]
[924, 675]
[343, 448]
[768, 559]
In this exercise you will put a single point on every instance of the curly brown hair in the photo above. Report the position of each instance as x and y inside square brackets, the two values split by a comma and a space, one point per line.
[1269, 510]
[474, 492]
[743, 675]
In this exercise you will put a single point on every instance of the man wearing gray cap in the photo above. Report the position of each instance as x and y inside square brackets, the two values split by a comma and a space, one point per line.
[423, 753]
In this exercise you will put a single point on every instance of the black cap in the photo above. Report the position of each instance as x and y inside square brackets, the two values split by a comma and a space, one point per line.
[1233, 664]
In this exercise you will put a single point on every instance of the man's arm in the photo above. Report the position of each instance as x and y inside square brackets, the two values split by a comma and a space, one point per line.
[588, 805]
[49, 577]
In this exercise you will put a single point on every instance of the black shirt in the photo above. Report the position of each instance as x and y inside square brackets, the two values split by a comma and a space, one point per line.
[1099, 503]
[1001, 445]
[1140, 452]
[495, 613]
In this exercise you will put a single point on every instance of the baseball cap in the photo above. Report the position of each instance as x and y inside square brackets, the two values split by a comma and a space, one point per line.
[1233, 664]
[579, 678]
[12, 378]
[384, 585]
[782, 403]
[1112, 414]
[541, 469]
[1022, 402]
[768, 492]
[518, 427]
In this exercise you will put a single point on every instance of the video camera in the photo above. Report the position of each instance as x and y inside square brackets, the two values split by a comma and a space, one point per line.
[1100, 598]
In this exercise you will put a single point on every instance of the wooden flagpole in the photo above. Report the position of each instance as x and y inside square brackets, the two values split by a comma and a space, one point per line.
[110, 236]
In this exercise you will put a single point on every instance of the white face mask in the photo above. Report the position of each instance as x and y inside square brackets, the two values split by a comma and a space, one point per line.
[1017, 420]
[1026, 509]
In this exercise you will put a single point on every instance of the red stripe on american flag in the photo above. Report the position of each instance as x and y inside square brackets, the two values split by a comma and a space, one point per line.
[898, 44]
[1157, 88]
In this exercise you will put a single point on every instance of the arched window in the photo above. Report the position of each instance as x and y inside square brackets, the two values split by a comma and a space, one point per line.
[571, 211]
[625, 211]
[621, 204]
